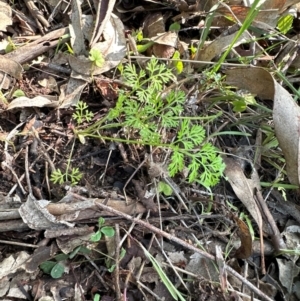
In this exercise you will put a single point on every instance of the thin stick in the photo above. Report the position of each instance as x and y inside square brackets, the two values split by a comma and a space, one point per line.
[15, 243]
[117, 266]
[27, 171]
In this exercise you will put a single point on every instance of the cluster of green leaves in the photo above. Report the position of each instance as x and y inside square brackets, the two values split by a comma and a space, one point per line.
[56, 267]
[96, 57]
[82, 113]
[148, 112]
[102, 230]
[58, 177]
[205, 164]
[109, 232]
[144, 108]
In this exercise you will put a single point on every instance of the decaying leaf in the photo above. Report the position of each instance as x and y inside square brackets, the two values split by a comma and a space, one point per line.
[71, 92]
[243, 188]
[10, 264]
[5, 16]
[76, 32]
[35, 214]
[288, 270]
[202, 266]
[164, 42]
[9, 66]
[38, 101]
[104, 13]
[245, 249]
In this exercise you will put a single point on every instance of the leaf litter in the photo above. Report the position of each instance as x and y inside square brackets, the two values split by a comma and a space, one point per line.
[211, 232]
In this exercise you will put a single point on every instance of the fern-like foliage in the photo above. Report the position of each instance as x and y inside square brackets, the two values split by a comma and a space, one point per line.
[146, 111]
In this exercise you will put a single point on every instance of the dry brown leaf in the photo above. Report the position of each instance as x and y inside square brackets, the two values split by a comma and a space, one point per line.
[5, 16]
[36, 215]
[219, 45]
[104, 14]
[108, 88]
[49, 83]
[11, 67]
[245, 250]
[265, 19]
[243, 188]
[286, 113]
[38, 101]
[76, 32]
[165, 42]
[71, 92]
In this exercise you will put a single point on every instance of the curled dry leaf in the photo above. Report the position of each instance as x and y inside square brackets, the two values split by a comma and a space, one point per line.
[76, 32]
[38, 101]
[245, 250]
[243, 188]
[71, 92]
[164, 42]
[165, 48]
[11, 67]
[108, 88]
[36, 215]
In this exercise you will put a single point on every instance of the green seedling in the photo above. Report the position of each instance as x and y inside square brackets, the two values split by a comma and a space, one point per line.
[102, 230]
[165, 188]
[56, 267]
[138, 35]
[18, 93]
[58, 177]
[109, 261]
[178, 64]
[174, 26]
[11, 46]
[82, 113]
[109, 232]
[70, 49]
[96, 57]
[246, 24]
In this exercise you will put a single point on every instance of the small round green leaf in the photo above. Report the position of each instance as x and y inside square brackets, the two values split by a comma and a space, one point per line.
[101, 221]
[165, 188]
[108, 231]
[112, 268]
[57, 271]
[174, 27]
[96, 236]
[239, 106]
[18, 93]
[47, 266]
[61, 257]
